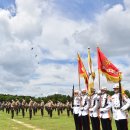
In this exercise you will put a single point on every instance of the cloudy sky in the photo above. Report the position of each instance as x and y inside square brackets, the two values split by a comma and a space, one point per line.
[39, 41]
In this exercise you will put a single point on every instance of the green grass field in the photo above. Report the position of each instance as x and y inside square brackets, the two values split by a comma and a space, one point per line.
[39, 123]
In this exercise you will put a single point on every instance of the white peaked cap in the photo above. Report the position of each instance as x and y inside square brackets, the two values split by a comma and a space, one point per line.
[99, 91]
[104, 88]
[84, 90]
[76, 91]
[116, 86]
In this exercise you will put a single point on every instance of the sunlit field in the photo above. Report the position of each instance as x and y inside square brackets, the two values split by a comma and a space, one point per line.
[37, 122]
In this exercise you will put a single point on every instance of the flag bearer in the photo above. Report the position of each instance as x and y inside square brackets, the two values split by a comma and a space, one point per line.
[93, 111]
[84, 110]
[119, 113]
[76, 108]
[105, 107]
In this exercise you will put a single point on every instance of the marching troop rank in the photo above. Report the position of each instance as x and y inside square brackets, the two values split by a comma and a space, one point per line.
[14, 106]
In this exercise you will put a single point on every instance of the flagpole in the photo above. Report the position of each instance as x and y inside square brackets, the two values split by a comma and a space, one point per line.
[79, 86]
[79, 77]
[99, 79]
[98, 74]
[79, 80]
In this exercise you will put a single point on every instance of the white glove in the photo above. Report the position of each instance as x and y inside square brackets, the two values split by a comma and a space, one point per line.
[91, 109]
[103, 110]
[122, 109]
[81, 108]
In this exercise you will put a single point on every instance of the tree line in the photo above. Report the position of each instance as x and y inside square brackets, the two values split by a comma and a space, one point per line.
[54, 97]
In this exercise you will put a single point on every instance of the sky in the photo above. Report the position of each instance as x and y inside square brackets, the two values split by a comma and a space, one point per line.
[39, 41]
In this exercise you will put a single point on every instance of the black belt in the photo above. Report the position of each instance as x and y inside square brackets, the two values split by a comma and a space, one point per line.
[76, 105]
[116, 108]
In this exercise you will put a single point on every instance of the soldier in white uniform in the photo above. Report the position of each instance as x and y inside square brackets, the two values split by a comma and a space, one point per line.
[119, 113]
[105, 109]
[94, 106]
[84, 110]
[76, 109]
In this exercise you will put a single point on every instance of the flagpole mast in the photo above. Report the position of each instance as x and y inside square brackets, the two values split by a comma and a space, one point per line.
[98, 76]
[99, 79]
[79, 77]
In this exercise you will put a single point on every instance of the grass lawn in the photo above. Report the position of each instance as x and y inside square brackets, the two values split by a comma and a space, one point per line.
[43, 123]
[39, 123]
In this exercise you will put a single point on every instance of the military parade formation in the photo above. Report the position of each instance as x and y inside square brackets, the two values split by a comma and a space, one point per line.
[99, 108]
[94, 111]
[14, 107]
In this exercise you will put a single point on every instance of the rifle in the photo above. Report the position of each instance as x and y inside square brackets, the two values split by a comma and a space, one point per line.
[120, 92]
[73, 96]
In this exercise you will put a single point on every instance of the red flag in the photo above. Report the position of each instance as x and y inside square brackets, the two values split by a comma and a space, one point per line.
[107, 68]
[82, 71]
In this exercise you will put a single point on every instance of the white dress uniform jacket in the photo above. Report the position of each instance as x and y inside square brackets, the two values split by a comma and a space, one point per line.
[94, 105]
[105, 106]
[119, 113]
[76, 105]
[84, 108]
